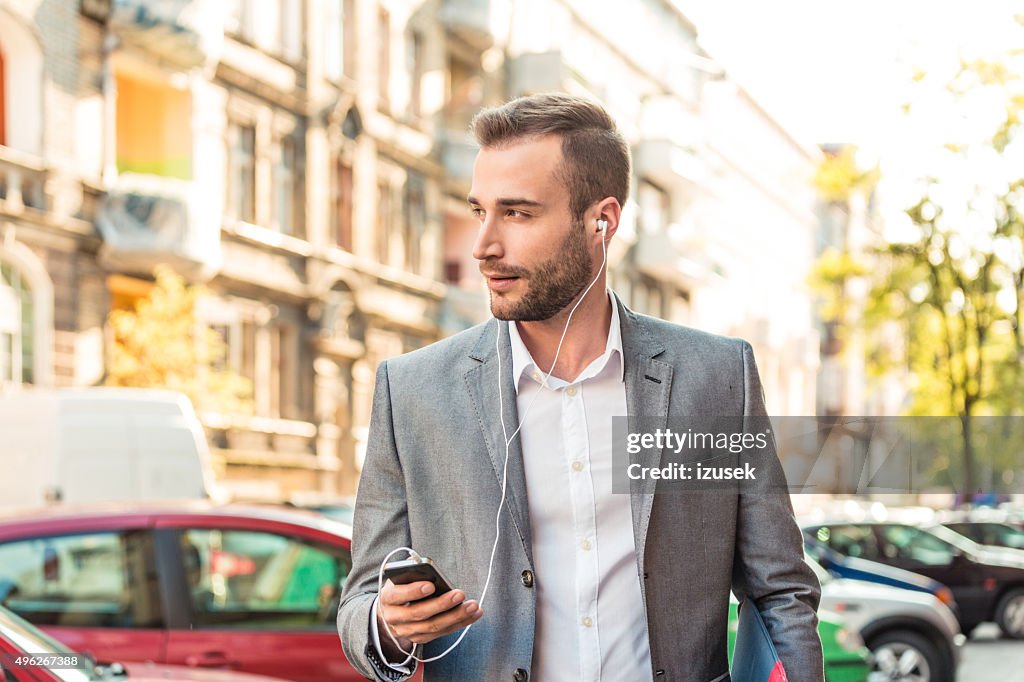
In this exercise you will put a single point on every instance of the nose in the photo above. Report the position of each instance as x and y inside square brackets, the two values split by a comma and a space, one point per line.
[488, 242]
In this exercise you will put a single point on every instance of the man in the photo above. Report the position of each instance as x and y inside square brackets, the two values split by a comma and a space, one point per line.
[585, 584]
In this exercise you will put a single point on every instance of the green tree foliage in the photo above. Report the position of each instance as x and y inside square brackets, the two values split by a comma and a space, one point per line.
[161, 344]
[838, 175]
[955, 283]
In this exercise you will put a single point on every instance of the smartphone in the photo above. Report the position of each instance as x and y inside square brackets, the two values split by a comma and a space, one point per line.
[414, 570]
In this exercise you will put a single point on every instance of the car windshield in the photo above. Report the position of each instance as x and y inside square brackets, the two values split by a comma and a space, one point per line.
[31, 640]
[962, 543]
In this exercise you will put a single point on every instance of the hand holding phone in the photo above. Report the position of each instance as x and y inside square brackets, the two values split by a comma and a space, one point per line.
[417, 569]
[420, 605]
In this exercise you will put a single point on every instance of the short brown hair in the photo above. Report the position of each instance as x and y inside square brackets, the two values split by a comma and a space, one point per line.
[596, 160]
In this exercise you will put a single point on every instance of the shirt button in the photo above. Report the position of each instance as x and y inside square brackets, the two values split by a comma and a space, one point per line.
[577, 466]
[520, 675]
[571, 391]
[587, 622]
[536, 376]
[585, 545]
[527, 578]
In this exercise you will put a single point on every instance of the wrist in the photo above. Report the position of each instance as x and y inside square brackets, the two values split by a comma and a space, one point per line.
[391, 652]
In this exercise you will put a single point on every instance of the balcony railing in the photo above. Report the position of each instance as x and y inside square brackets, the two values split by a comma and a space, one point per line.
[186, 33]
[661, 257]
[470, 20]
[670, 164]
[23, 180]
[535, 72]
[147, 220]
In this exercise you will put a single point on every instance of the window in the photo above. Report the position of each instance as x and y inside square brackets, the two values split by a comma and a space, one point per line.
[913, 545]
[647, 296]
[385, 220]
[283, 372]
[653, 203]
[287, 217]
[465, 92]
[334, 62]
[452, 271]
[17, 323]
[3, 107]
[350, 30]
[384, 59]
[339, 39]
[154, 134]
[253, 580]
[241, 20]
[89, 580]
[414, 220]
[341, 203]
[263, 346]
[242, 181]
[247, 361]
[290, 30]
[416, 55]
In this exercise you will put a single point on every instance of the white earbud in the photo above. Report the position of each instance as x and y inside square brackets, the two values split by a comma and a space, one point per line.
[602, 225]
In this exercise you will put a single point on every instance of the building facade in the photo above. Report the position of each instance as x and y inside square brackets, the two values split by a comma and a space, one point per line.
[307, 161]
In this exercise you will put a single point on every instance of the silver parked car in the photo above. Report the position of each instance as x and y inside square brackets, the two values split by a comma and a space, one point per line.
[913, 637]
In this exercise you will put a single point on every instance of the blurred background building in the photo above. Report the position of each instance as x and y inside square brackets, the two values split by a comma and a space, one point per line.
[308, 162]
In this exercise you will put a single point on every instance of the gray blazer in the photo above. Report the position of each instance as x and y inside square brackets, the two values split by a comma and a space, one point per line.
[431, 481]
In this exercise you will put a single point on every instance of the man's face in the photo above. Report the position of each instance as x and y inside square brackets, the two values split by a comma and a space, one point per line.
[535, 258]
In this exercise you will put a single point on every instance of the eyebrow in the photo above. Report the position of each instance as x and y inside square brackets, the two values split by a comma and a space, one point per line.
[511, 201]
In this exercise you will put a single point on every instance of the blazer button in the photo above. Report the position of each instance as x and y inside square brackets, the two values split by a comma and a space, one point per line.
[527, 579]
[520, 675]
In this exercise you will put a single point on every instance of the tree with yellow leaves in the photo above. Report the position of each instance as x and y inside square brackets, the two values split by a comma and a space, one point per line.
[161, 344]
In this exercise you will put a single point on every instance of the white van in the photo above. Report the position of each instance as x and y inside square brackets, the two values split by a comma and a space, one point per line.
[100, 444]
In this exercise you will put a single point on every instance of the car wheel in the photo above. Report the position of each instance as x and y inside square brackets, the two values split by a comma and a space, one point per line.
[905, 656]
[1010, 614]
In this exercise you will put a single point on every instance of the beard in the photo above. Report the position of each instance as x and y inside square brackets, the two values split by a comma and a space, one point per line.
[550, 286]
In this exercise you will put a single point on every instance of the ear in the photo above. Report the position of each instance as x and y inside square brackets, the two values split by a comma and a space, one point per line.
[609, 211]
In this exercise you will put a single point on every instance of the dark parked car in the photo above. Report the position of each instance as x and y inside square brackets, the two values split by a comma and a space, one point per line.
[989, 533]
[240, 588]
[987, 585]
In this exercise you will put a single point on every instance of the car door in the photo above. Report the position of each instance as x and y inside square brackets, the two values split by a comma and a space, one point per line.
[257, 601]
[94, 591]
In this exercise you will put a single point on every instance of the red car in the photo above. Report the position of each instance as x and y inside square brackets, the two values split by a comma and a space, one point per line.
[241, 588]
[28, 655]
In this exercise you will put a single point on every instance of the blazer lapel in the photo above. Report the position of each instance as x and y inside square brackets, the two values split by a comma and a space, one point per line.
[648, 387]
[482, 383]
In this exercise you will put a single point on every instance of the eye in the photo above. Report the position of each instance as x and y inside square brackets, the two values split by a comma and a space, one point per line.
[477, 211]
[516, 213]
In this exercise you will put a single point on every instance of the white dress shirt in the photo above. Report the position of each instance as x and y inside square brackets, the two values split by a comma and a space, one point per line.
[591, 621]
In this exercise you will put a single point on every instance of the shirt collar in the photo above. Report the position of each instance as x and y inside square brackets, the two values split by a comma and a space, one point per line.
[522, 361]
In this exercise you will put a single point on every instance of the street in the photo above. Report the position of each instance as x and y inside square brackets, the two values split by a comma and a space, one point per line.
[988, 658]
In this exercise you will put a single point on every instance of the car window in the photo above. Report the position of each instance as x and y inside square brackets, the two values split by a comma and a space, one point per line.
[1000, 534]
[855, 541]
[915, 545]
[87, 580]
[257, 580]
[970, 530]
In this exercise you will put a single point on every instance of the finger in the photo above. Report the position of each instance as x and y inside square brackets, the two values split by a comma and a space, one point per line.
[424, 609]
[403, 594]
[445, 623]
